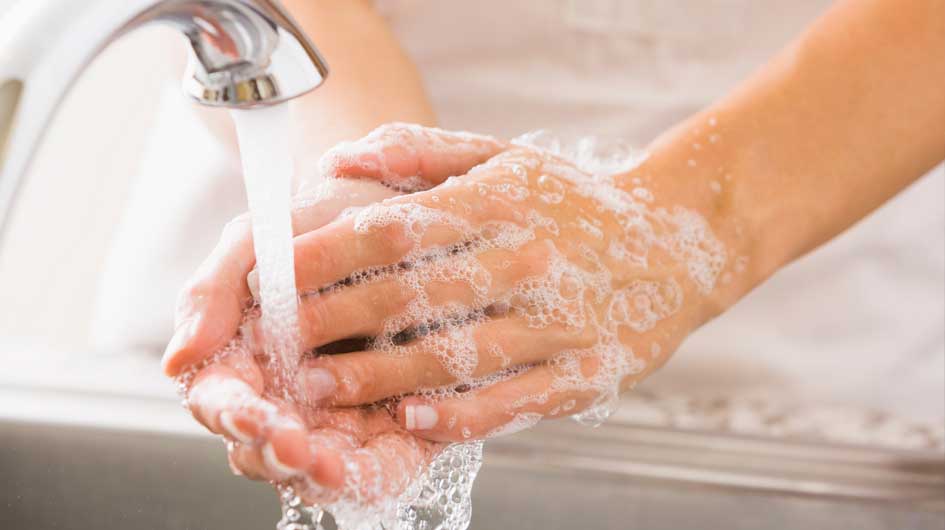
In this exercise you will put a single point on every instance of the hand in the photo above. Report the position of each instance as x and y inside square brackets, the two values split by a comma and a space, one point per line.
[271, 439]
[541, 291]
[403, 157]
[325, 454]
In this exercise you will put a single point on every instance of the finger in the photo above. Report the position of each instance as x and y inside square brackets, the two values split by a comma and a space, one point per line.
[454, 355]
[285, 457]
[381, 469]
[210, 308]
[440, 288]
[274, 455]
[225, 397]
[407, 156]
[276, 452]
[353, 250]
[247, 460]
[407, 230]
[503, 408]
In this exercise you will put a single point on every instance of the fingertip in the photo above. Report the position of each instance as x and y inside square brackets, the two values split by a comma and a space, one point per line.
[287, 452]
[418, 416]
[252, 281]
[176, 350]
[246, 461]
[239, 430]
[327, 468]
[350, 159]
[318, 383]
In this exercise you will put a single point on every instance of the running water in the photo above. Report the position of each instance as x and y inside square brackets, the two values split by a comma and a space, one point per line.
[265, 150]
[266, 153]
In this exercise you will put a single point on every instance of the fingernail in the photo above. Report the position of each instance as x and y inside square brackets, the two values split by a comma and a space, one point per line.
[185, 332]
[420, 417]
[252, 280]
[318, 383]
[273, 462]
[226, 421]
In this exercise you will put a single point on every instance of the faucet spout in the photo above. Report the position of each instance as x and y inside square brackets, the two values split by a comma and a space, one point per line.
[243, 54]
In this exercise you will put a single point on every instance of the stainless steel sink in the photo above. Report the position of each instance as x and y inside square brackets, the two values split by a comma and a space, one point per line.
[66, 475]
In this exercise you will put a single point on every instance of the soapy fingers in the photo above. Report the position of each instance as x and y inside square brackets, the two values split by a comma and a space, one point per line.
[409, 157]
[368, 459]
[499, 409]
[211, 307]
[492, 346]
[508, 406]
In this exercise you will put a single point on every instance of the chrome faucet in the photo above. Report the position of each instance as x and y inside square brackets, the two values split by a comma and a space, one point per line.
[243, 54]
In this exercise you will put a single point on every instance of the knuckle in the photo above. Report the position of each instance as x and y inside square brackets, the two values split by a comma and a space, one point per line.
[195, 288]
[316, 320]
[241, 464]
[537, 259]
[189, 296]
[396, 235]
[393, 131]
[237, 228]
[362, 385]
[316, 254]
[392, 241]
[354, 380]
[531, 261]
[196, 293]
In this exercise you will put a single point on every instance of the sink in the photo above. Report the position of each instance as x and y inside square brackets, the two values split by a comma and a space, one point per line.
[72, 472]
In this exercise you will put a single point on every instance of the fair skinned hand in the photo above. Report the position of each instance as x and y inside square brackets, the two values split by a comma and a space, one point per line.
[536, 287]
[574, 294]
[319, 450]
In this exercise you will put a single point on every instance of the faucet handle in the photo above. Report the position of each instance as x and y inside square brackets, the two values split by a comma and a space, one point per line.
[248, 53]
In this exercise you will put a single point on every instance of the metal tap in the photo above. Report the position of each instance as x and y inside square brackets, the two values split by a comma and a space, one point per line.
[243, 54]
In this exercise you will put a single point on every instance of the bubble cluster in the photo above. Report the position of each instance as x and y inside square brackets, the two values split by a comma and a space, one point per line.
[644, 303]
[442, 497]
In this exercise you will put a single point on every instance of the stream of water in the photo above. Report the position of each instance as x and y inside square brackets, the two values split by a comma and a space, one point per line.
[440, 499]
[267, 171]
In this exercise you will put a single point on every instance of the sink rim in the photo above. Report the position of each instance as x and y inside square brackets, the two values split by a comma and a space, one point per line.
[773, 466]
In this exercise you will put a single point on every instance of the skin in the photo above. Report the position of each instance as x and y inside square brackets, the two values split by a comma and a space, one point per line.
[844, 118]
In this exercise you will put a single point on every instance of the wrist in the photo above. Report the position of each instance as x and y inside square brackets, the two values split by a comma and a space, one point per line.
[694, 167]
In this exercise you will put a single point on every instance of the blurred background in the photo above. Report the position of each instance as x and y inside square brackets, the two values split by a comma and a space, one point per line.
[95, 435]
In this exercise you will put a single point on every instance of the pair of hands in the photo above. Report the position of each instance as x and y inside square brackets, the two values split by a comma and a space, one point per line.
[474, 306]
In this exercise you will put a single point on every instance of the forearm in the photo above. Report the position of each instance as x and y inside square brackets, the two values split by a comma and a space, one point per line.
[372, 81]
[838, 123]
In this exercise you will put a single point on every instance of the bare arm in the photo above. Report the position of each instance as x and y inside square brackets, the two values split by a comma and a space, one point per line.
[372, 81]
[843, 119]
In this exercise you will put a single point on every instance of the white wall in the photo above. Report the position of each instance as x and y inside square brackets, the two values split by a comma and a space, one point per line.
[74, 193]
